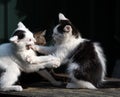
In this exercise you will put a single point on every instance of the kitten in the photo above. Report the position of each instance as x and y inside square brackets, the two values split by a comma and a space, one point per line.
[85, 59]
[40, 37]
[13, 58]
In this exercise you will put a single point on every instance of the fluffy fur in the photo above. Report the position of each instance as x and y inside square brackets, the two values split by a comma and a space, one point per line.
[14, 57]
[86, 61]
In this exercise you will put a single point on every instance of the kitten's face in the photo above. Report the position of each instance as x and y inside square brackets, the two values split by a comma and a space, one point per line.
[40, 37]
[64, 29]
[22, 36]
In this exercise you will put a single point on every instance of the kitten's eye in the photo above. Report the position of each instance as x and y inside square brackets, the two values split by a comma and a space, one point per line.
[29, 39]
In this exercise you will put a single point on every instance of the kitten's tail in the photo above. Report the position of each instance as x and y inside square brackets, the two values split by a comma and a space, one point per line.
[110, 83]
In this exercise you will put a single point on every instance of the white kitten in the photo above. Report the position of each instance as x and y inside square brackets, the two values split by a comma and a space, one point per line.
[13, 59]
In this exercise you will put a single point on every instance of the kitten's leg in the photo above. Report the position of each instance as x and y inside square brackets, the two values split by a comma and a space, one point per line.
[43, 65]
[81, 84]
[49, 77]
[8, 78]
[41, 59]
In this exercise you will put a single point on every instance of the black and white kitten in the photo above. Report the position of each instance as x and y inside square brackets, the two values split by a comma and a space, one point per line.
[86, 61]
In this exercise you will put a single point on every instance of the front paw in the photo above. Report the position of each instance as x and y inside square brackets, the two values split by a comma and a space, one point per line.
[56, 63]
[31, 60]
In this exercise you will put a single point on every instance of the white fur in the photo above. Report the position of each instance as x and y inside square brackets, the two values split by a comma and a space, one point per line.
[102, 59]
[81, 84]
[77, 83]
[65, 44]
[62, 17]
[71, 67]
[14, 38]
[13, 60]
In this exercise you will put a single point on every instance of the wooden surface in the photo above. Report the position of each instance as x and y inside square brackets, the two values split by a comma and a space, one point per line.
[45, 89]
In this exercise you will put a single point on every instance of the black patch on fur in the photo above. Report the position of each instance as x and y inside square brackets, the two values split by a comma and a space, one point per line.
[90, 68]
[63, 23]
[20, 34]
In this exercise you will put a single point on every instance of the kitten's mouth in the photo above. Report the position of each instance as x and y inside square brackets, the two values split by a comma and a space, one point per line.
[28, 47]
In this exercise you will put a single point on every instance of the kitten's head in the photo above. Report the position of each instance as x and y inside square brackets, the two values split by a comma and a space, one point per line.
[40, 37]
[65, 29]
[22, 36]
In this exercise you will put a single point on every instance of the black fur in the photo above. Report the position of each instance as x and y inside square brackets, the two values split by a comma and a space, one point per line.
[2, 71]
[20, 34]
[63, 23]
[89, 65]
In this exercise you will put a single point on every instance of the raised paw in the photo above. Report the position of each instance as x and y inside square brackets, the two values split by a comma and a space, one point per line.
[56, 63]
[31, 60]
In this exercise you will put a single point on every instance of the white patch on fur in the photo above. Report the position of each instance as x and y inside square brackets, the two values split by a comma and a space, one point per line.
[102, 59]
[71, 67]
[75, 83]
[62, 17]
[21, 26]
[81, 84]
[66, 48]
[14, 38]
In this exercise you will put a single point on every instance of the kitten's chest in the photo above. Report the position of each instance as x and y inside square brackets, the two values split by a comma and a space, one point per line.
[63, 52]
[23, 54]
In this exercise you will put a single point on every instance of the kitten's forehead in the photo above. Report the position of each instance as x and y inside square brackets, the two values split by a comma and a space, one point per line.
[62, 24]
[22, 31]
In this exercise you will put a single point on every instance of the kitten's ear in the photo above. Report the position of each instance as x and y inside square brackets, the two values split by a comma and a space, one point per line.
[14, 39]
[62, 17]
[21, 25]
[44, 32]
[67, 28]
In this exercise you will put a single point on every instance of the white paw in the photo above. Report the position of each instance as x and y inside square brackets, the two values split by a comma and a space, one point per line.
[31, 59]
[56, 63]
[18, 88]
[12, 88]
